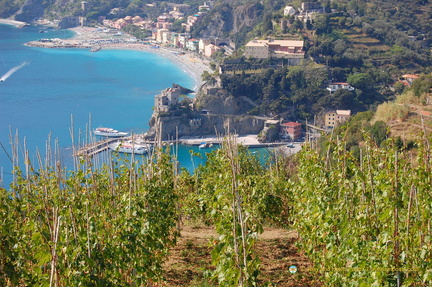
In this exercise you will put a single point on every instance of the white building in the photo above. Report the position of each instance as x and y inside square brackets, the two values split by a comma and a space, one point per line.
[289, 11]
[333, 87]
[203, 42]
[192, 45]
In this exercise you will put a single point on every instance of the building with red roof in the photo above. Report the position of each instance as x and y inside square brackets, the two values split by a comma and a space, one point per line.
[291, 130]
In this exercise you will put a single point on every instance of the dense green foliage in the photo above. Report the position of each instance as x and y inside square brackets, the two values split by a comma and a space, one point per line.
[366, 221]
[355, 131]
[111, 227]
[8, 7]
[300, 90]
[137, 32]
[423, 85]
[114, 226]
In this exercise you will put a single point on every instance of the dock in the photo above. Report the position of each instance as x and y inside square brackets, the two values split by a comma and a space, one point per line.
[96, 147]
[249, 141]
[93, 149]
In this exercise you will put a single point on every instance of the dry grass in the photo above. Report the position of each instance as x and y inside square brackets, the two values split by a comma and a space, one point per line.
[390, 111]
[408, 98]
[190, 258]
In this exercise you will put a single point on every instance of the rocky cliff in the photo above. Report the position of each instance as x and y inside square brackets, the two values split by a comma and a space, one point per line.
[215, 112]
[30, 10]
[219, 101]
[226, 21]
[205, 125]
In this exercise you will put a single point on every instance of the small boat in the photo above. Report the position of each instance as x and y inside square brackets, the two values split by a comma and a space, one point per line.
[129, 147]
[109, 132]
[203, 145]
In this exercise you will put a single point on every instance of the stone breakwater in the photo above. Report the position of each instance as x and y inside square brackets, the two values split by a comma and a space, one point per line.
[58, 43]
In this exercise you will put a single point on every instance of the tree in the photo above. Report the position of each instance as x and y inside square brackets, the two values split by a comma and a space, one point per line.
[267, 24]
[423, 85]
[322, 24]
[361, 81]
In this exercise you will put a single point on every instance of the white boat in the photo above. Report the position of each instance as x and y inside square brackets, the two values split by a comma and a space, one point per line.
[129, 147]
[109, 132]
[203, 145]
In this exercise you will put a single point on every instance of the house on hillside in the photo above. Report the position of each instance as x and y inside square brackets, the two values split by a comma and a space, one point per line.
[289, 11]
[291, 130]
[333, 87]
[308, 11]
[335, 118]
[408, 78]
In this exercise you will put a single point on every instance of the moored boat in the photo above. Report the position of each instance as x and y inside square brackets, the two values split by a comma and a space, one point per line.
[130, 147]
[109, 132]
[203, 145]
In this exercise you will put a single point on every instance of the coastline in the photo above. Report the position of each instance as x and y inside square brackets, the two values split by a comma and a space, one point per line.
[190, 63]
[15, 23]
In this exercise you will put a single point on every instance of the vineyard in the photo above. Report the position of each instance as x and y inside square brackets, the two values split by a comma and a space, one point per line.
[363, 220]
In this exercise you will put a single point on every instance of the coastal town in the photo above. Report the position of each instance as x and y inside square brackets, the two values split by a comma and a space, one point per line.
[194, 56]
[215, 143]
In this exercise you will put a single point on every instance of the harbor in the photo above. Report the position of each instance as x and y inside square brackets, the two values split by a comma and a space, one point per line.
[250, 141]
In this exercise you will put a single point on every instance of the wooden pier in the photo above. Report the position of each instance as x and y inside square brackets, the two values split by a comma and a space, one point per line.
[96, 147]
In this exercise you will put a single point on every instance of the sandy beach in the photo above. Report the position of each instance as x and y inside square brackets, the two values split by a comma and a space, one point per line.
[191, 63]
[13, 22]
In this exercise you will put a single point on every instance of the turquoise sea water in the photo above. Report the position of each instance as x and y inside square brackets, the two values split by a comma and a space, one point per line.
[113, 88]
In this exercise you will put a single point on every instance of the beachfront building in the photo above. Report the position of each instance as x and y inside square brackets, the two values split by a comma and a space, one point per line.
[203, 42]
[291, 130]
[167, 99]
[159, 35]
[210, 49]
[266, 49]
[192, 45]
[335, 118]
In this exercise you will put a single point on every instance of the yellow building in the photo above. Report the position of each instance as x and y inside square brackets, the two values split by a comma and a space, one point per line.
[334, 118]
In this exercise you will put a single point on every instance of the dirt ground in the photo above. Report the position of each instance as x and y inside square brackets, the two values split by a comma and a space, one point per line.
[190, 258]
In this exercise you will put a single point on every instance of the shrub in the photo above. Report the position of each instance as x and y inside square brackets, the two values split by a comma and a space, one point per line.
[389, 111]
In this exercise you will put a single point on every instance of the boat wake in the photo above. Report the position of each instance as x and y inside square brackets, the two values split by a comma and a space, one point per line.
[11, 71]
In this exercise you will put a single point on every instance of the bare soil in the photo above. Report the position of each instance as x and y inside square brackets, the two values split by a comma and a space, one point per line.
[190, 259]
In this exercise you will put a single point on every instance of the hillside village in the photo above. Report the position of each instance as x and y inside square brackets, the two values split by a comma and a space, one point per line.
[292, 51]
[288, 50]
[255, 57]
